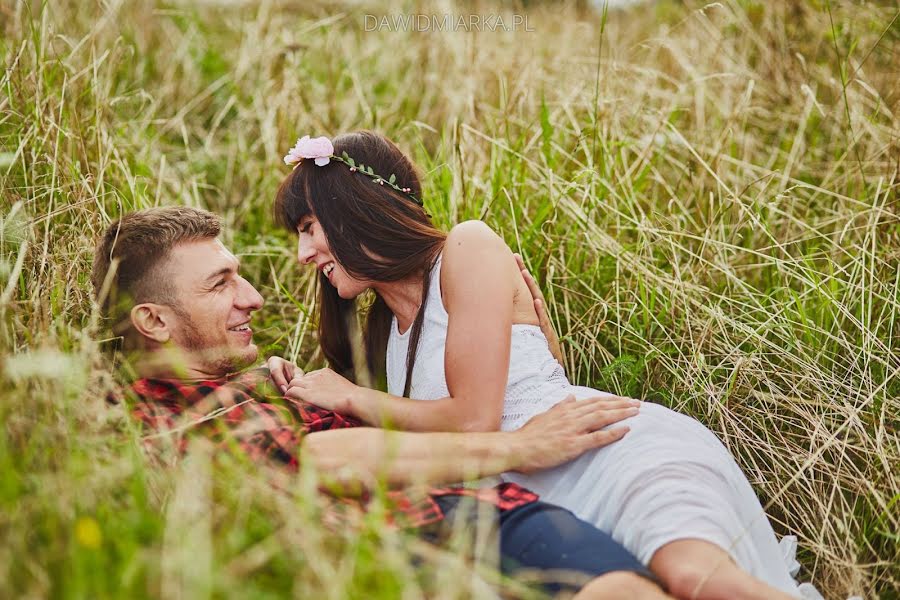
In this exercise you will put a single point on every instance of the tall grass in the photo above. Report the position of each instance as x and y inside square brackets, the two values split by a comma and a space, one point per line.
[708, 194]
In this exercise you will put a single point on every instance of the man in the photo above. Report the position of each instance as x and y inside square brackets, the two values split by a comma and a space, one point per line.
[174, 294]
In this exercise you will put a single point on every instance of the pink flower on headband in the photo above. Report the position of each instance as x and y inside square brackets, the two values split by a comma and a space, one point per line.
[319, 148]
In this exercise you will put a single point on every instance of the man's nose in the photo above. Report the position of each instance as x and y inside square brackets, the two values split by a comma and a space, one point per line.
[248, 298]
[305, 251]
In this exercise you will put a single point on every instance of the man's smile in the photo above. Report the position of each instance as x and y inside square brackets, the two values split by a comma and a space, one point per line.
[243, 328]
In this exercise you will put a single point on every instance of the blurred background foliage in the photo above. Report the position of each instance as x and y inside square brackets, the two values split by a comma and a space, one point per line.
[706, 191]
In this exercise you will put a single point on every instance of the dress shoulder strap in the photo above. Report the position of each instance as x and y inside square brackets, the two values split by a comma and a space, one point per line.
[434, 306]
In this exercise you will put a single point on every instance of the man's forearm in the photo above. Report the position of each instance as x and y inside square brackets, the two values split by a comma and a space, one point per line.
[366, 455]
[363, 455]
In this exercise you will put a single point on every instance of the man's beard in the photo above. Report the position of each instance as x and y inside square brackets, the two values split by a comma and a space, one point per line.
[217, 359]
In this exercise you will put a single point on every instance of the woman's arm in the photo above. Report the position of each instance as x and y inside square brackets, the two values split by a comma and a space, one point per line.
[479, 279]
[479, 284]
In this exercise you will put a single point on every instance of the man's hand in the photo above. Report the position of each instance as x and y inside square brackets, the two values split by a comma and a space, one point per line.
[282, 372]
[323, 388]
[540, 307]
[571, 428]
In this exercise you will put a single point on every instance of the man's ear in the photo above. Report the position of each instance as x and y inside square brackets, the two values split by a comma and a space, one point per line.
[153, 321]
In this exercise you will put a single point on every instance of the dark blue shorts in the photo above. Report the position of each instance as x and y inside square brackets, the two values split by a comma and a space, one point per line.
[549, 545]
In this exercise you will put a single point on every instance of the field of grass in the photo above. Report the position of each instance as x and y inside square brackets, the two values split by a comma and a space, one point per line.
[708, 194]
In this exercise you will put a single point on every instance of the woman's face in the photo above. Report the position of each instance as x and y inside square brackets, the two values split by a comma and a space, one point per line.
[313, 249]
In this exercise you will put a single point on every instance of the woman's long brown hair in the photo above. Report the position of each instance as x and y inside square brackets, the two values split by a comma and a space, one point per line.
[374, 232]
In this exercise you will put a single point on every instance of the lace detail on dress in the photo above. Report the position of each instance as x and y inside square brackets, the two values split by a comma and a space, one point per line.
[536, 381]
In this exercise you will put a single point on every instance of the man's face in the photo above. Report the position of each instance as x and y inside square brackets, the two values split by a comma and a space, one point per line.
[212, 308]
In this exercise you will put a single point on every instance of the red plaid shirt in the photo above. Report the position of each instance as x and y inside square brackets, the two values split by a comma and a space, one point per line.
[247, 410]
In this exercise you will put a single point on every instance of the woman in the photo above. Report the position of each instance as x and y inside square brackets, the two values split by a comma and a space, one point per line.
[453, 326]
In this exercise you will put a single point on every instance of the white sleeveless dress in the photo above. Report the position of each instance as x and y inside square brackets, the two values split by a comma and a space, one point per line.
[669, 478]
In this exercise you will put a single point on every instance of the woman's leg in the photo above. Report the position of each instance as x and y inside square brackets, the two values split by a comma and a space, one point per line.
[619, 585]
[699, 570]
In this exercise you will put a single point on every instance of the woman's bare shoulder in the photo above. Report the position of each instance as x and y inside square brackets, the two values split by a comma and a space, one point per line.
[478, 263]
[474, 255]
[473, 237]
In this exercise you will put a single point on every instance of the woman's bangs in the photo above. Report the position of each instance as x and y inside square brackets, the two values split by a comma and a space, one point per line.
[291, 202]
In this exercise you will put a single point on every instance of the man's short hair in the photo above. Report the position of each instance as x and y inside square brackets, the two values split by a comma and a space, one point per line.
[133, 252]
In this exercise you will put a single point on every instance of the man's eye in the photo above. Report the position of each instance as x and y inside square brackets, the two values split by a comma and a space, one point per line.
[220, 283]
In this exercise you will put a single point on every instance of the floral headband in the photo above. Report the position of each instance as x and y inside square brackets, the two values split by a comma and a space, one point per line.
[321, 150]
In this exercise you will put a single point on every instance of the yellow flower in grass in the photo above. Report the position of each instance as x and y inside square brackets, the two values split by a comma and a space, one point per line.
[87, 533]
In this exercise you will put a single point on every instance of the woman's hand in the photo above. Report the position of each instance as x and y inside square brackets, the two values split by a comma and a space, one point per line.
[282, 371]
[540, 307]
[324, 388]
[570, 429]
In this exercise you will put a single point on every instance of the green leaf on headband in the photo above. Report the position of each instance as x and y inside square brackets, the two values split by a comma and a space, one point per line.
[393, 179]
